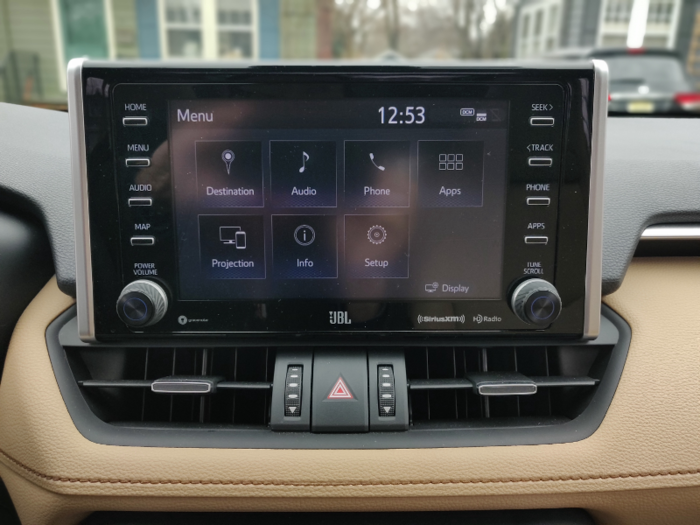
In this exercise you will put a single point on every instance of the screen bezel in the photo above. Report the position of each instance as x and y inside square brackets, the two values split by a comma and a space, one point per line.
[570, 277]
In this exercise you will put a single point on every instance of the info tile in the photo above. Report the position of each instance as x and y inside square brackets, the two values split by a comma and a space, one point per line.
[450, 173]
[229, 173]
[377, 173]
[376, 246]
[304, 246]
[303, 174]
[232, 246]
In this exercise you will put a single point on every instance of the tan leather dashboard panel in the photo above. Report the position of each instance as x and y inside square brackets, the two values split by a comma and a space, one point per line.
[641, 467]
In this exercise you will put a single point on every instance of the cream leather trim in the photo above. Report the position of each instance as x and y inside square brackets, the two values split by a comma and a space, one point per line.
[649, 441]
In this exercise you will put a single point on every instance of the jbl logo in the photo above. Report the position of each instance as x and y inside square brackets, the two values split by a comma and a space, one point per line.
[339, 317]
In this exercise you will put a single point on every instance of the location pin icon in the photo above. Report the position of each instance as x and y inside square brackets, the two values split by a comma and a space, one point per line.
[227, 156]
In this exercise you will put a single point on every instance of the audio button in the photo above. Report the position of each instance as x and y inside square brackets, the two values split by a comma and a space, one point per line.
[140, 201]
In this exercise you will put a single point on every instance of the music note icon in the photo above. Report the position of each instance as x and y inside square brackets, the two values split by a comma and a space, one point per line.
[304, 158]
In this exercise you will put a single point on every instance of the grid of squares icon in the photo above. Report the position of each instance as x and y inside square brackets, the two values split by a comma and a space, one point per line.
[451, 162]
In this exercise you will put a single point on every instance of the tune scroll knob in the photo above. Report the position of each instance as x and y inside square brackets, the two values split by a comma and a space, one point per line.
[142, 303]
[536, 302]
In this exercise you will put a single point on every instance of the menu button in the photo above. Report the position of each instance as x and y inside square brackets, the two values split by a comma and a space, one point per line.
[138, 162]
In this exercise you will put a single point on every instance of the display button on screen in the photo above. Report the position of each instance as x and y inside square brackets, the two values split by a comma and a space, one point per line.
[229, 173]
[303, 174]
[232, 246]
[376, 246]
[304, 246]
[450, 173]
[377, 173]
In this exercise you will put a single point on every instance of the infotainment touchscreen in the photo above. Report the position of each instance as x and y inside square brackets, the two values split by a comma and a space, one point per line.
[350, 199]
[318, 199]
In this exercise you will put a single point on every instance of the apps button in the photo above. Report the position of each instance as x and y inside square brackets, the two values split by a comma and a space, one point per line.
[450, 173]
[304, 246]
[303, 174]
[377, 173]
[232, 246]
[229, 173]
[376, 246]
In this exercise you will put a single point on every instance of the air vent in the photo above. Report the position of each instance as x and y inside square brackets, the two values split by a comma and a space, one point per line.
[220, 396]
[511, 386]
[218, 386]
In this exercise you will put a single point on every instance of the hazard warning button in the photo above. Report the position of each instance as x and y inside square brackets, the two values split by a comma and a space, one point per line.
[340, 391]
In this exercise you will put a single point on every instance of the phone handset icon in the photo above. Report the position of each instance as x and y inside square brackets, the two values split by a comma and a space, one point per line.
[371, 157]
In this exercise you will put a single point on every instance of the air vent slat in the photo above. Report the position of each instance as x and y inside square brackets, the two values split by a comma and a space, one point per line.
[125, 383]
[440, 384]
[141, 383]
[244, 385]
[562, 381]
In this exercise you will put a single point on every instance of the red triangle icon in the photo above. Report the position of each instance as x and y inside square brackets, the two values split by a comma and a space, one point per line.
[340, 391]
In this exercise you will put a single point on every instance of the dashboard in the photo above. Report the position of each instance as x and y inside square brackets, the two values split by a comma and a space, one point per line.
[315, 291]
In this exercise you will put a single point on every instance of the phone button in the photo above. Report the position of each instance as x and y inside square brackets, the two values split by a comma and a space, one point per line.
[538, 201]
[377, 173]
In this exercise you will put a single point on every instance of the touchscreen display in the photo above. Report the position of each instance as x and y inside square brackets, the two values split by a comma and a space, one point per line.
[345, 198]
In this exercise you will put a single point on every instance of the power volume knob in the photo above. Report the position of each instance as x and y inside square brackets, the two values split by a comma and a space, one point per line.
[537, 302]
[142, 303]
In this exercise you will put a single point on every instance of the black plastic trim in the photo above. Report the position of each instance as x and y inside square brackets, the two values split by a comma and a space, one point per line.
[25, 267]
[493, 517]
[614, 330]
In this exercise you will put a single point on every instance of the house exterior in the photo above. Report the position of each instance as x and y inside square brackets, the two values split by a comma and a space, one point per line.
[550, 26]
[45, 34]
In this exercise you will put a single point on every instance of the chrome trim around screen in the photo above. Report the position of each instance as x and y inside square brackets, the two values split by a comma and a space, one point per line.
[672, 232]
[594, 255]
[83, 263]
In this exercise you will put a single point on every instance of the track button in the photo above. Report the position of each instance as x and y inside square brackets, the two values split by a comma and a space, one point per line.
[540, 162]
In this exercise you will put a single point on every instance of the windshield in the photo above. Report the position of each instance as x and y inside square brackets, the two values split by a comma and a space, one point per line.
[658, 73]
[39, 37]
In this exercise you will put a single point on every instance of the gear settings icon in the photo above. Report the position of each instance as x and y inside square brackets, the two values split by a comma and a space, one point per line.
[376, 234]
